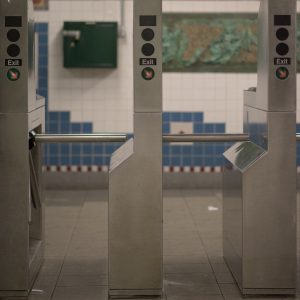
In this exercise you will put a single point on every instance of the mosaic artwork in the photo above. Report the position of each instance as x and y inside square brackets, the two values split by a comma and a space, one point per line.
[210, 42]
[40, 4]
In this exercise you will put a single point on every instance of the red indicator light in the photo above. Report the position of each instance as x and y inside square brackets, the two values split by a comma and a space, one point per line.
[13, 74]
[282, 73]
[148, 73]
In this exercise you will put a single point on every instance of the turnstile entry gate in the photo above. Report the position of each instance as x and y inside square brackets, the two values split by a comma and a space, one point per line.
[21, 111]
[135, 177]
[260, 177]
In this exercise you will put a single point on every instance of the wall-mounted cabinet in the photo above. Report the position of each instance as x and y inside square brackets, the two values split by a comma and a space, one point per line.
[90, 44]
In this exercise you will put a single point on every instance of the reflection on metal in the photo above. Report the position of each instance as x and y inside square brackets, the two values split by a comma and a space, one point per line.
[120, 138]
[259, 207]
[135, 177]
[37, 292]
[34, 186]
[205, 138]
[81, 138]
[21, 230]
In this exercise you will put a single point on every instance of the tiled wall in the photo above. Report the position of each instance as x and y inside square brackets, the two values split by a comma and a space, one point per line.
[86, 100]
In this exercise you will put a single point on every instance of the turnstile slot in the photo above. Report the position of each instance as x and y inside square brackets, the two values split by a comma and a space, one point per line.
[34, 187]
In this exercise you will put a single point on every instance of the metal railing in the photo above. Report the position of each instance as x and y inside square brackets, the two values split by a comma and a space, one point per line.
[80, 138]
[121, 138]
[204, 138]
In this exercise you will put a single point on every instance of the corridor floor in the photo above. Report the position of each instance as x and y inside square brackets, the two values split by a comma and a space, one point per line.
[76, 247]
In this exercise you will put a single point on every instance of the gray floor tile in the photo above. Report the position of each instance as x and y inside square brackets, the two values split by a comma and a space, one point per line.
[44, 284]
[179, 234]
[202, 297]
[90, 265]
[82, 280]
[186, 259]
[77, 239]
[81, 293]
[216, 259]
[230, 290]
[88, 250]
[220, 268]
[51, 249]
[51, 266]
[191, 279]
[192, 290]
[182, 268]
[224, 278]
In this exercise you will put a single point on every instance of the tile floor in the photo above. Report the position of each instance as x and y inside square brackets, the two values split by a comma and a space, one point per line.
[76, 247]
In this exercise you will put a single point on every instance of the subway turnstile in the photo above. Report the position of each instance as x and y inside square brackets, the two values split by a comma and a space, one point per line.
[135, 178]
[260, 176]
[21, 111]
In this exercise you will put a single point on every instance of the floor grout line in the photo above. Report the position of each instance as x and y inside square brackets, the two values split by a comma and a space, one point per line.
[207, 256]
[67, 250]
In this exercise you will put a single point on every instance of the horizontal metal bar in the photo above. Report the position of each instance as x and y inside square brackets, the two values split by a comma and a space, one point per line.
[80, 138]
[196, 138]
[121, 138]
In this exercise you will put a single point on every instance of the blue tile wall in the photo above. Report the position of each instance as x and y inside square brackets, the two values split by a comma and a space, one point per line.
[198, 154]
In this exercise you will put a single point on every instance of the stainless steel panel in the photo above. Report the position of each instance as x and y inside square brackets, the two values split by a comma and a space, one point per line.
[135, 179]
[21, 235]
[275, 94]
[255, 122]
[260, 190]
[260, 211]
[15, 231]
[135, 211]
[147, 93]
[18, 96]
[269, 210]
[80, 138]
[204, 138]
[233, 221]
[14, 184]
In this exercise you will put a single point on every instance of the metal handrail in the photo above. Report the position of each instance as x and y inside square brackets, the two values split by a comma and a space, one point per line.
[201, 138]
[121, 138]
[81, 138]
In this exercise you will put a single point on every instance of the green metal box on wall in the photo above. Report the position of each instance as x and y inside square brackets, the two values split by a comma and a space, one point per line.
[90, 44]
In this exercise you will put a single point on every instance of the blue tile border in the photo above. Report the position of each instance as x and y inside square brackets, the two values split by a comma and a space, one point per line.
[194, 155]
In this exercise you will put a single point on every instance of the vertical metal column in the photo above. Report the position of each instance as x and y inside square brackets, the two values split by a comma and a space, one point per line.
[260, 183]
[135, 182]
[21, 230]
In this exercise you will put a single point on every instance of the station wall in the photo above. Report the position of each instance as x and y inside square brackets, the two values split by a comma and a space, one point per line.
[100, 100]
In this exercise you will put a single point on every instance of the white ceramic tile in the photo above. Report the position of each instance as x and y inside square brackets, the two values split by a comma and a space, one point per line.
[105, 97]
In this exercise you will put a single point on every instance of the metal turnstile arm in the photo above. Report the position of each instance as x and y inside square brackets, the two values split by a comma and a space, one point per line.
[81, 138]
[120, 138]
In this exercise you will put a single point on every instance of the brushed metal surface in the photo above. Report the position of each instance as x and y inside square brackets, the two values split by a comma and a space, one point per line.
[147, 94]
[275, 94]
[205, 138]
[135, 179]
[168, 138]
[135, 210]
[18, 96]
[81, 138]
[22, 226]
[260, 186]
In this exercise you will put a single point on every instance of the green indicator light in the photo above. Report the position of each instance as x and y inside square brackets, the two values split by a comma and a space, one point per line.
[148, 73]
[13, 74]
[282, 73]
